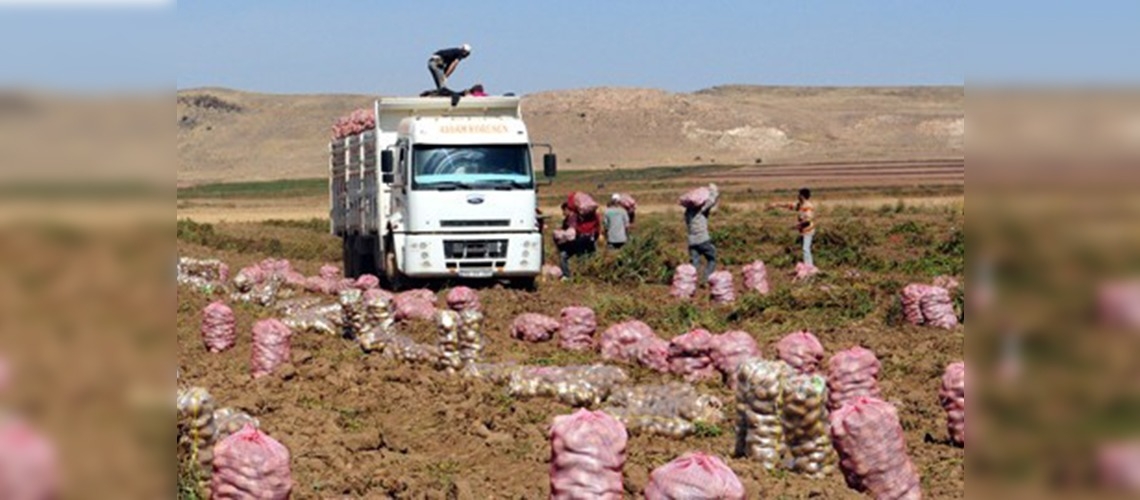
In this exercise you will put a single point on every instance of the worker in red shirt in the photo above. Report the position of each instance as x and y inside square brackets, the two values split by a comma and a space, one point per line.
[587, 225]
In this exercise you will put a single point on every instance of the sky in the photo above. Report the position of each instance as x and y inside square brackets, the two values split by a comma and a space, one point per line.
[381, 46]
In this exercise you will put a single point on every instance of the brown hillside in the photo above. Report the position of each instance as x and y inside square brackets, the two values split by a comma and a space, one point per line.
[228, 135]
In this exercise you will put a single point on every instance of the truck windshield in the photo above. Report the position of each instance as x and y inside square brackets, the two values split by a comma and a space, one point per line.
[505, 166]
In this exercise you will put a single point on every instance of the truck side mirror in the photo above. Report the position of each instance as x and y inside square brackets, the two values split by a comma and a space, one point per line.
[549, 165]
[386, 166]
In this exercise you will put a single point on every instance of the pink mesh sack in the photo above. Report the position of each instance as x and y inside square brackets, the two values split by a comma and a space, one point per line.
[756, 277]
[366, 282]
[534, 327]
[551, 272]
[802, 351]
[695, 198]
[28, 464]
[729, 350]
[576, 328]
[952, 395]
[684, 282]
[587, 456]
[1118, 304]
[249, 464]
[218, 332]
[462, 298]
[721, 287]
[584, 203]
[1118, 466]
[852, 374]
[414, 305]
[627, 202]
[805, 271]
[329, 272]
[270, 346]
[938, 309]
[872, 452]
[690, 355]
[911, 298]
[635, 342]
[694, 476]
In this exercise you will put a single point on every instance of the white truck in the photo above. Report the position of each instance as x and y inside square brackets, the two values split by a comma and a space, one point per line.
[437, 191]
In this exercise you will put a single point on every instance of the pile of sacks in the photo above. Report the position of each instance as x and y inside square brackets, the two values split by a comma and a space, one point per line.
[218, 330]
[684, 282]
[756, 277]
[952, 395]
[690, 355]
[354, 123]
[783, 418]
[672, 409]
[576, 328]
[928, 305]
[204, 274]
[573, 385]
[691, 476]
[461, 298]
[635, 342]
[263, 283]
[330, 281]
[872, 450]
[587, 456]
[201, 427]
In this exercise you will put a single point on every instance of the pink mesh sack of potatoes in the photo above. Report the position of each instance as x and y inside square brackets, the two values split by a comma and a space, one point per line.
[329, 272]
[635, 342]
[694, 476]
[366, 282]
[684, 282]
[218, 331]
[550, 272]
[28, 463]
[583, 203]
[802, 351]
[1118, 304]
[576, 328]
[852, 374]
[872, 452]
[564, 236]
[627, 202]
[690, 355]
[414, 305]
[804, 271]
[587, 456]
[249, 464]
[938, 309]
[952, 395]
[722, 288]
[756, 277]
[695, 198]
[271, 346]
[911, 297]
[1118, 466]
[948, 282]
[534, 327]
[461, 298]
[729, 350]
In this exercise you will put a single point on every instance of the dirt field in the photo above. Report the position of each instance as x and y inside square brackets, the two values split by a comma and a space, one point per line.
[360, 426]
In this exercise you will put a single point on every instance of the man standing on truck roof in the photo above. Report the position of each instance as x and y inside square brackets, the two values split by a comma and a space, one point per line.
[443, 63]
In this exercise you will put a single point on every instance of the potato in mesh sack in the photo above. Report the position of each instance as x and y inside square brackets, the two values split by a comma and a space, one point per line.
[952, 395]
[495, 373]
[323, 318]
[851, 374]
[756, 277]
[534, 327]
[690, 355]
[577, 386]
[938, 309]
[1118, 304]
[802, 351]
[471, 338]
[721, 287]
[635, 342]
[551, 273]
[250, 464]
[583, 203]
[587, 456]
[218, 330]
[403, 348]
[462, 298]
[196, 430]
[271, 346]
[805, 422]
[352, 307]
[1118, 466]
[366, 282]
[29, 469]
[759, 399]
[447, 341]
[694, 476]
[804, 272]
[204, 274]
[729, 350]
[576, 328]
[414, 305]
[872, 450]
[230, 420]
[671, 409]
[695, 198]
[684, 284]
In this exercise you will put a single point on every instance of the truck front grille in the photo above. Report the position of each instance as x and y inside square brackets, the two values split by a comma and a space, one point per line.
[474, 223]
[475, 249]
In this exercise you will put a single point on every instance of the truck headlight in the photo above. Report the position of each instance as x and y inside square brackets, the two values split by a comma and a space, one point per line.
[424, 255]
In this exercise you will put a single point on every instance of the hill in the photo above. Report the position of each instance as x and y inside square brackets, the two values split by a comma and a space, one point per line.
[229, 135]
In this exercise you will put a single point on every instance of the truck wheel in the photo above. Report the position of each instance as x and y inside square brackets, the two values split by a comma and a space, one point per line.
[348, 252]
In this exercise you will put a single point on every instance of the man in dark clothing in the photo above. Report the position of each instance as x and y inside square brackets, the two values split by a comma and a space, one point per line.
[443, 63]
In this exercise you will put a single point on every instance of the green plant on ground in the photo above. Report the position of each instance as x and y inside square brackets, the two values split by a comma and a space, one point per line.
[706, 430]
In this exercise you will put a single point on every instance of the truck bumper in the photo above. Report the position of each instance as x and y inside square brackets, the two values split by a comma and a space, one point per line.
[485, 255]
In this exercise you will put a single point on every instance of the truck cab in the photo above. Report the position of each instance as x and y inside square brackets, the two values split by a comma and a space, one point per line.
[439, 191]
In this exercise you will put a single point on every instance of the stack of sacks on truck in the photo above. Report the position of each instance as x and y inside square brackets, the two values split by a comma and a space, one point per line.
[354, 123]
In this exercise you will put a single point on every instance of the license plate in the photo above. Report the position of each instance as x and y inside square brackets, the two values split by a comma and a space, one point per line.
[475, 273]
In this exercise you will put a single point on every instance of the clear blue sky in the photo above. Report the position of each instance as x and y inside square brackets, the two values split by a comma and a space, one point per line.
[380, 46]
